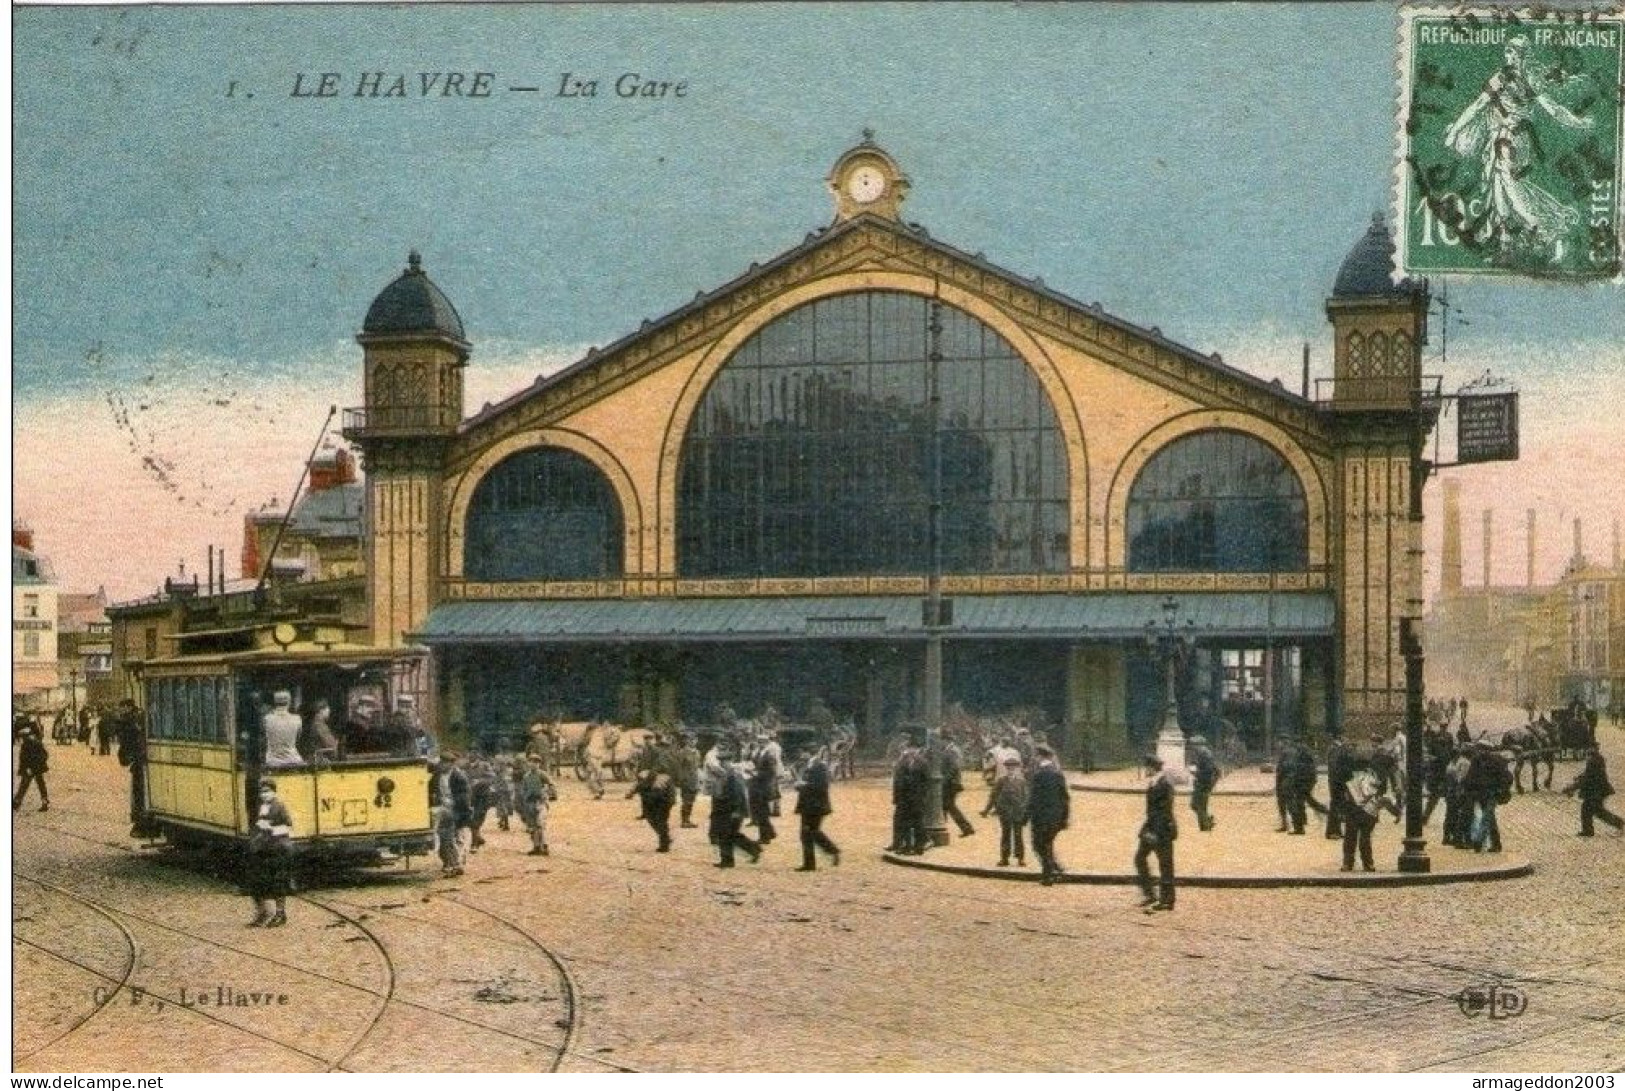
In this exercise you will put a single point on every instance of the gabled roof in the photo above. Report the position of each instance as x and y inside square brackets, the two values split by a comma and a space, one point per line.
[916, 234]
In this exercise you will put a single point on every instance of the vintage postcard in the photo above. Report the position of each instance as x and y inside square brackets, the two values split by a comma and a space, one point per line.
[690, 538]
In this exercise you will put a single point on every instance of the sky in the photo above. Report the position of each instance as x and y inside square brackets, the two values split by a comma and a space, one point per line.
[195, 244]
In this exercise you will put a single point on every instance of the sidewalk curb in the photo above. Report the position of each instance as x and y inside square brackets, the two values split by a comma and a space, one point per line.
[1179, 789]
[1512, 868]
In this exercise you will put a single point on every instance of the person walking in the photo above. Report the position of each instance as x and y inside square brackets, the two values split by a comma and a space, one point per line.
[1204, 775]
[1487, 785]
[1339, 768]
[763, 789]
[1009, 801]
[656, 788]
[1049, 810]
[32, 762]
[1157, 835]
[1369, 796]
[688, 779]
[534, 793]
[812, 804]
[131, 734]
[729, 803]
[453, 814]
[953, 760]
[908, 787]
[267, 865]
[1593, 788]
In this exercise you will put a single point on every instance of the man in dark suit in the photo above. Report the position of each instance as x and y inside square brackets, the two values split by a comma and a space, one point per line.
[908, 787]
[1049, 808]
[812, 804]
[729, 804]
[1204, 775]
[1157, 836]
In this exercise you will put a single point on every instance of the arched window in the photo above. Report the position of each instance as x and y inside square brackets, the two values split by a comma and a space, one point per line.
[543, 514]
[810, 453]
[1217, 501]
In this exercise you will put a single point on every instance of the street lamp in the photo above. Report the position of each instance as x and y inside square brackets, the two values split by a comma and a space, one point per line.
[1173, 644]
[936, 824]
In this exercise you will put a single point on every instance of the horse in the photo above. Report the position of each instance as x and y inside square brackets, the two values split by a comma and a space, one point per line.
[1533, 743]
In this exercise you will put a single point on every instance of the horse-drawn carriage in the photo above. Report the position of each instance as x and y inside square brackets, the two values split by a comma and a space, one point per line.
[584, 746]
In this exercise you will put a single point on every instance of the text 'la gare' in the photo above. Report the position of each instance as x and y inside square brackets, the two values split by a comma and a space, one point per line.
[327, 85]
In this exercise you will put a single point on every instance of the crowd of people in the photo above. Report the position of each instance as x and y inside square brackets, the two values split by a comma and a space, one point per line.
[743, 772]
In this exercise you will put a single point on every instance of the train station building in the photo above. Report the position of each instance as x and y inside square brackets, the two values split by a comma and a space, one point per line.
[747, 500]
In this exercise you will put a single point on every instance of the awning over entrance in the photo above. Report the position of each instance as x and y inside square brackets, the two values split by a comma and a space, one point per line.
[1110, 616]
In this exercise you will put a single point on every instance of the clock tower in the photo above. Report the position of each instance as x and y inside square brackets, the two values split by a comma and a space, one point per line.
[867, 180]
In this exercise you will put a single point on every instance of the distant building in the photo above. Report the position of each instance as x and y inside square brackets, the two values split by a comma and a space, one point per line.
[33, 624]
[323, 536]
[85, 648]
[1540, 645]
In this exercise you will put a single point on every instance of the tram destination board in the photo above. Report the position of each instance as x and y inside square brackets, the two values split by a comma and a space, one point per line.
[1487, 428]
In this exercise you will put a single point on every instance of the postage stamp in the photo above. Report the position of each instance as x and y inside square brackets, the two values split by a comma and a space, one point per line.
[1509, 142]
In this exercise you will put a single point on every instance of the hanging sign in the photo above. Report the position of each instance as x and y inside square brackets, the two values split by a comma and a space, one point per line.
[1487, 428]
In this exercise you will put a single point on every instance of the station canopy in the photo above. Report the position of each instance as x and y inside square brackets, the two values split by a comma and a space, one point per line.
[1097, 616]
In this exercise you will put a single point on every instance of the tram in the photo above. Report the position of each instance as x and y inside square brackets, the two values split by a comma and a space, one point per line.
[356, 783]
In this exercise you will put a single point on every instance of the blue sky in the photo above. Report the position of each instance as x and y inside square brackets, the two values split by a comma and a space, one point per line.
[1200, 169]
[1203, 170]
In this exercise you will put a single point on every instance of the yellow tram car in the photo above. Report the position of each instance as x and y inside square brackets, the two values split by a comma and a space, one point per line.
[358, 786]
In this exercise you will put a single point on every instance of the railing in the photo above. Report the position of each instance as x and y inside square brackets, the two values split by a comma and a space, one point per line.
[398, 418]
[1380, 392]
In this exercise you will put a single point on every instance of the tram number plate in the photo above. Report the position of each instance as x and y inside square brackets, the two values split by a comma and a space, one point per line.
[353, 813]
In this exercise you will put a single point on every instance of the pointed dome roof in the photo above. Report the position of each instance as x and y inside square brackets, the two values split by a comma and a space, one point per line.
[413, 304]
[1368, 270]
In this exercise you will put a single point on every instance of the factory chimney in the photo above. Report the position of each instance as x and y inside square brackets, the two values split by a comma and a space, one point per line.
[1450, 570]
[1578, 561]
[1529, 573]
[1616, 545]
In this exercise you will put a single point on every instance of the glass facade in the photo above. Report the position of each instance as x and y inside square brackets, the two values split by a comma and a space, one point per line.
[1217, 501]
[544, 514]
[811, 452]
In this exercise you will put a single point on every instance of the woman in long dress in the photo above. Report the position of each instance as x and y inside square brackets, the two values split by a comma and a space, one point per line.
[1498, 128]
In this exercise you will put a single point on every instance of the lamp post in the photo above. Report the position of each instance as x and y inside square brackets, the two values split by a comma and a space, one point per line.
[1172, 643]
[73, 695]
[936, 824]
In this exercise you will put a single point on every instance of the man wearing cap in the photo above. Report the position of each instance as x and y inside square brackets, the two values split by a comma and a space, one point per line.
[268, 849]
[534, 791]
[687, 759]
[1049, 810]
[1204, 775]
[1009, 799]
[280, 729]
[1157, 835]
[1486, 786]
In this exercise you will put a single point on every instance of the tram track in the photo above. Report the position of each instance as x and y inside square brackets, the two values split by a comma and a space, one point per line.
[386, 996]
[882, 894]
[133, 956]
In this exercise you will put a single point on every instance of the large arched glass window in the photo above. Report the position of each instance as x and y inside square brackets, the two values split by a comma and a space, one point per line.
[543, 514]
[1217, 502]
[810, 453]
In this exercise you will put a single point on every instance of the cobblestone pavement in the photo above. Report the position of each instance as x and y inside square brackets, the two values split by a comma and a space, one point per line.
[665, 963]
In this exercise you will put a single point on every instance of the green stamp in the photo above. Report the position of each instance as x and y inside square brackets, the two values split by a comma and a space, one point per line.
[1510, 133]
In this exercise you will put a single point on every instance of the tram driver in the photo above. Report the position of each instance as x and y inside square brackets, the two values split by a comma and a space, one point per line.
[280, 728]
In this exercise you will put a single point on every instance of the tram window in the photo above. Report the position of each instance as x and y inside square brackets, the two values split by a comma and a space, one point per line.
[186, 708]
[207, 713]
[222, 698]
[163, 717]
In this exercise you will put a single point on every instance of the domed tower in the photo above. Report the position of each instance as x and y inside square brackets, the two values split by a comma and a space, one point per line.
[1379, 326]
[1382, 410]
[413, 352]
